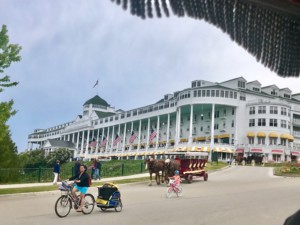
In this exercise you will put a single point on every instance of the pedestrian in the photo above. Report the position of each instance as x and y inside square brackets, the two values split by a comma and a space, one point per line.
[93, 167]
[97, 169]
[77, 166]
[56, 171]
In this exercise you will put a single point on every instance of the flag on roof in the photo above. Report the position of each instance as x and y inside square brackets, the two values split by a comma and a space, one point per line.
[104, 142]
[117, 140]
[96, 84]
[152, 135]
[132, 137]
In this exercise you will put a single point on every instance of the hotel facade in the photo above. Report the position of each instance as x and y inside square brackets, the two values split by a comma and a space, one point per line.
[231, 117]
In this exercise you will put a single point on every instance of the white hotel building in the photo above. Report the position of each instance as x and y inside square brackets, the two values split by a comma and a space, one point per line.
[231, 117]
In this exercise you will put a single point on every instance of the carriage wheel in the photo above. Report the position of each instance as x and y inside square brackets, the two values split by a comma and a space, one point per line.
[190, 178]
[205, 176]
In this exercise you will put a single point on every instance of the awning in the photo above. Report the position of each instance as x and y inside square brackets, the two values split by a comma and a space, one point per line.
[239, 150]
[257, 150]
[261, 134]
[193, 149]
[224, 136]
[204, 149]
[295, 153]
[290, 138]
[277, 151]
[215, 136]
[250, 134]
[273, 135]
[226, 150]
[284, 136]
[201, 138]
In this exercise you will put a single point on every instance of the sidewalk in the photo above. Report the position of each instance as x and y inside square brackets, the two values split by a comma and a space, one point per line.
[107, 179]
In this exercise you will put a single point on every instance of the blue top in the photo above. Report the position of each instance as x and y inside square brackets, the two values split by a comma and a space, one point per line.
[56, 168]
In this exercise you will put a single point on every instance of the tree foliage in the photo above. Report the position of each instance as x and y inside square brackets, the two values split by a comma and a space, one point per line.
[8, 53]
[61, 154]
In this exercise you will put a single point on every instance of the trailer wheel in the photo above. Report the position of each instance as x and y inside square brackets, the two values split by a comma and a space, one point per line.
[190, 178]
[205, 176]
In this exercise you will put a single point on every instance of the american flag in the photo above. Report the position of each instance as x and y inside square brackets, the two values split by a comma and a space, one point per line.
[132, 137]
[117, 139]
[104, 142]
[152, 135]
[93, 143]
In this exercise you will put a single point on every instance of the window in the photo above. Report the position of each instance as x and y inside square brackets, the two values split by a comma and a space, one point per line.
[283, 123]
[195, 93]
[212, 93]
[251, 140]
[261, 109]
[217, 114]
[252, 123]
[217, 93]
[261, 140]
[203, 93]
[232, 111]
[235, 95]
[201, 128]
[208, 93]
[216, 126]
[241, 84]
[193, 84]
[261, 122]
[226, 94]
[232, 123]
[224, 112]
[231, 94]
[273, 141]
[199, 93]
[273, 110]
[242, 97]
[222, 94]
[273, 123]
[255, 89]
[252, 110]
[283, 111]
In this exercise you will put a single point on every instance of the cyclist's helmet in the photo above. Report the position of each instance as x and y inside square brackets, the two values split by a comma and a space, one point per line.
[176, 172]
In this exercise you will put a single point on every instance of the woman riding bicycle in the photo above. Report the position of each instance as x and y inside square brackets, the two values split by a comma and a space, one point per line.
[81, 181]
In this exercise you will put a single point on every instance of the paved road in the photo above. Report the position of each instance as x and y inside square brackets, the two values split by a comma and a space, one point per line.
[234, 196]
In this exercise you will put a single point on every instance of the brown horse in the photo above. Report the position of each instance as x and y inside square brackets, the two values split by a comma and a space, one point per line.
[157, 167]
[170, 166]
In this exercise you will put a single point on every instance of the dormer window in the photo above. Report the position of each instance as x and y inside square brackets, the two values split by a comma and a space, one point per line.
[194, 84]
[255, 89]
[273, 92]
[241, 84]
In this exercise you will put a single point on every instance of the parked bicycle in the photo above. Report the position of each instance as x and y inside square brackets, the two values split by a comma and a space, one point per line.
[174, 189]
[67, 201]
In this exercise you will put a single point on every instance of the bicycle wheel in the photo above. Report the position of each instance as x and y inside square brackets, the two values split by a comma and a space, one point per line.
[89, 204]
[63, 206]
[169, 192]
[179, 191]
[119, 206]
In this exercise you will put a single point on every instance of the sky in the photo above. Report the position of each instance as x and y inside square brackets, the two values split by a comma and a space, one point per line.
[67, 45]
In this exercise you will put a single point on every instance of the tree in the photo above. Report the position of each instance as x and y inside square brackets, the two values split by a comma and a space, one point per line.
[61, 154]
[8, 53]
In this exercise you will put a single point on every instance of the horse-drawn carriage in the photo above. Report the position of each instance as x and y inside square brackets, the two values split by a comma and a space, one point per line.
[189, 165]
[254, 159]
[192, 164]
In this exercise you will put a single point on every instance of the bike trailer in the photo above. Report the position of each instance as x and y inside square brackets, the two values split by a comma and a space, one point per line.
[109, 196]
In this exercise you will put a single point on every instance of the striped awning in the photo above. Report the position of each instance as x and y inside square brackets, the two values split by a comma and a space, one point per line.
[284, 136]
[256, 150]
[239, 150]
[204, 149]
[261, 134]
[273, 135]
[295, 153]
[277, 151]
[226, 150]
[250, 134]
[224, 136]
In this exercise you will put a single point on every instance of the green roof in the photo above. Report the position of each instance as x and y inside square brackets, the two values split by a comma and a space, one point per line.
[104, 114]
[96, 101]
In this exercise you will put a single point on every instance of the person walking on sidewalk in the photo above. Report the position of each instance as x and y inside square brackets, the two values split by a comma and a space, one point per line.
[56, 171]
[97, 170]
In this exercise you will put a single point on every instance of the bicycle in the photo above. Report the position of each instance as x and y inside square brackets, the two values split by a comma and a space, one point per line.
[174, 189]
[66, 201]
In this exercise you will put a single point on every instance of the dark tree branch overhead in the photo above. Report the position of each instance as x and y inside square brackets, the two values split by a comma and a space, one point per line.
[268, 29]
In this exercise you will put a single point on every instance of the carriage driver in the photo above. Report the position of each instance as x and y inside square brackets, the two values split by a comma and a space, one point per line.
[81, 181]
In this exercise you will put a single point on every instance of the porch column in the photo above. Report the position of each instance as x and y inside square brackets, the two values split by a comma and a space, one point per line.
[82, 143]
[97, 141]
[157, 135]
[191, 126]
[212, 144]
[112, 139]
[148, 134]
[124, 137]
[87, 144]
[178, 120]
[107, 138]
[168, 131]
[140, 133]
